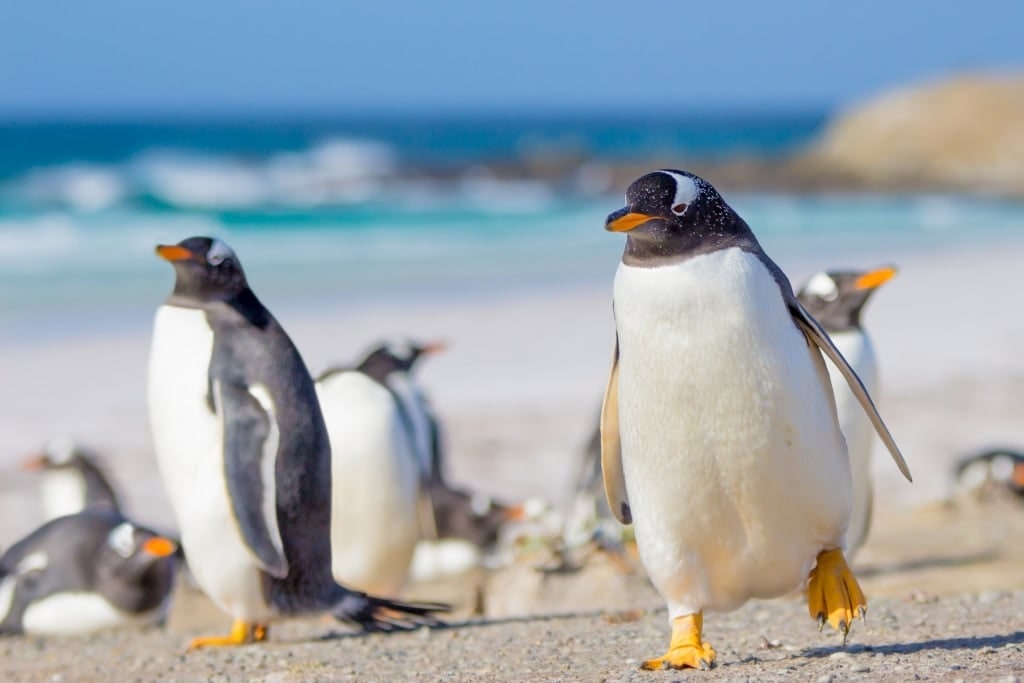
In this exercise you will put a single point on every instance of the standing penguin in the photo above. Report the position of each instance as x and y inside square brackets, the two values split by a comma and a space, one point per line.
[836, 300]
[71, 480]
[85, 572]
[380, 468]
[720, 440]
[244, 453]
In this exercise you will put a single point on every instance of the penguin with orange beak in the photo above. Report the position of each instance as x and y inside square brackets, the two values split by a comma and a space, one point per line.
[244, 454]
[86, 572]
[836, 299]
[720, 441]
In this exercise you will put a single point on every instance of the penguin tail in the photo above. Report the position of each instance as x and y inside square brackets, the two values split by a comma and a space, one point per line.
[374, 614]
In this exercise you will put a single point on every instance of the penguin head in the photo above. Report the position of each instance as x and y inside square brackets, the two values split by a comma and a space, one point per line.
[57, 453]
[670, 203]
[206, 269]
[836, 298]
[130, 551]
[396, 356]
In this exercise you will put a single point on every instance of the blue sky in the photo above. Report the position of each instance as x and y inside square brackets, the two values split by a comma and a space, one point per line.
[98, 57]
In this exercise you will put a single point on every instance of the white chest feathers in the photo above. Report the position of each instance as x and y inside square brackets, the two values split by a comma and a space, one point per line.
[63, 492]
[75, 613]
[734, 465]
[188, 439]
[374, 515]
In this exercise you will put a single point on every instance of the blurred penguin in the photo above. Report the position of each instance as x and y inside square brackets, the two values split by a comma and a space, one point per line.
[71, 479]
[85, 572]
[836, 299]
[380, 463]
[991, 469]
[590, 518]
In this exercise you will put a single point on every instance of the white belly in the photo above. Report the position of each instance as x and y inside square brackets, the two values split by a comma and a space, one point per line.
[78, 613]
[736, 472]
[188, 441]
[374, 519]
[63, 492]
[856, 426]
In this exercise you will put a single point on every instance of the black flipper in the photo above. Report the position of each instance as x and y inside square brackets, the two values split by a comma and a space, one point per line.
[250, 449]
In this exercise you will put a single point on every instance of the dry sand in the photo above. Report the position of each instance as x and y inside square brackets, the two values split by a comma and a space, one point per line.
[519, 391]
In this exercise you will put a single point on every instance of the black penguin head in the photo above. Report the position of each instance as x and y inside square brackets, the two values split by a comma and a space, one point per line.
[393, 356]
[58, 453]
[836, 298]
[671, 212]
[206, 269]
[130, 551]
[669, 202]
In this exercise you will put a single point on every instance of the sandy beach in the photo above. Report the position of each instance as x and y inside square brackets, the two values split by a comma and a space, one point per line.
[518, 392]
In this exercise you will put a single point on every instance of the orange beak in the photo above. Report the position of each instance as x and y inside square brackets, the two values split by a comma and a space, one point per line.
[433, 347]
[875, 278]
[158, 546]
[35, 462]
[172, 252]
[627, 222]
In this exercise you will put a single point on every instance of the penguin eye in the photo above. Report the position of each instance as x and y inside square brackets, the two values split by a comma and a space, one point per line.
[679, 209]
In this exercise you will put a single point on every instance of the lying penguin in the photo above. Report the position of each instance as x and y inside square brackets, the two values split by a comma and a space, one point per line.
[85, 572]
[71, 479]
[992, 468]
[720, 438]
[836, 299]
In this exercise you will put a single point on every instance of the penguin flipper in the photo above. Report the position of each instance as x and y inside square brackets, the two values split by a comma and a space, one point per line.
[816, 335]
[250, 452]
[611, 447]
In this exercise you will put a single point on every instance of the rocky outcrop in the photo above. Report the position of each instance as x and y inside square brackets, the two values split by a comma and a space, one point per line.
[964, 133]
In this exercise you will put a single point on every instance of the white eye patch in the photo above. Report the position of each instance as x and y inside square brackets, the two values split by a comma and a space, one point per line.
[823, 287]
[218, 253]
[60, 449]
[400, 348]
[686, 192]
[122, 539]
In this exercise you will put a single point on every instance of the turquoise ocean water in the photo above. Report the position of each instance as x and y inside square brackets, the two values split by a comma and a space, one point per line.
[362, 210]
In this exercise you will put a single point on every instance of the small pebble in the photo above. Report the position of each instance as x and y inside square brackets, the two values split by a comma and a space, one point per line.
[859, 668]
[824, 678]
[839, 655]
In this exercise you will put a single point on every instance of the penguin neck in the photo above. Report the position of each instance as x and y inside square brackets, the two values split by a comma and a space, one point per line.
[244, 303]
[723, 232]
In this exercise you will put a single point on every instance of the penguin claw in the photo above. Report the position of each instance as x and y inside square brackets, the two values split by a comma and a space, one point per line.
[833, 593]
[686, 650]
[242, 633]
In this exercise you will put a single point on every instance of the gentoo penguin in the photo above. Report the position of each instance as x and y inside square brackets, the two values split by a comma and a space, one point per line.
[720, 440]
[85, 572]
[244, 454]
[999, 467]
[387, 455]
[379, 511]
[71, 479]
[836, 299]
